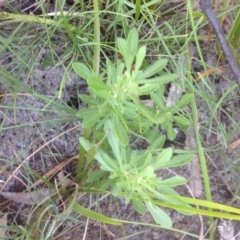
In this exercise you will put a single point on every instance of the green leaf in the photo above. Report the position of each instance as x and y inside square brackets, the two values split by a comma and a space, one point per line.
[234, 33]
[140, 57]
[210, 205]
[123, 47]
[120, 132]
[113, 140]
[92, 118]
[107, 163]
[179, 160]
[173, 181]
[184, 101]
[132, 42]
[207, 204]
[160, 80]
[143, 110]
[159, 141]
[162, 119]
[82, 112]
[82, 70]
[137, 9]
[130, 110]
[147, 88]
[170, 131]
[139, 206]
[85, 143]
[148, 161]
[97, 85]
[95, 216]
[102, 121]
[95, 175]
[163, 193]
[158, 98]
[153, 69]
[151, 134]
[182, 122]
[163, 158]
[159, 215]
[106, 183]
[88, 99]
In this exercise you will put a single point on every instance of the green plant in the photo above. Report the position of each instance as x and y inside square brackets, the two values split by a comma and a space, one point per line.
[107, 164]
[116, 111]
[115, 94]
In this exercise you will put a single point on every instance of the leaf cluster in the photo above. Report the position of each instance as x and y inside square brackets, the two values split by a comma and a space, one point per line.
[116, 111]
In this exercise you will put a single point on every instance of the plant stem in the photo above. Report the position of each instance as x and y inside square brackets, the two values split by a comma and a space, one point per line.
[96, 56]
[195, 125]
[96, 64]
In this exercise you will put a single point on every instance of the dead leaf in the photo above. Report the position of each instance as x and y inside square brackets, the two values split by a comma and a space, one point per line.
[54, 170]
[65, 181]
[234, 144]
[174, 94]
[3, 226]
[33, 197]
[211, 71]
[226, 230]
[195, 182]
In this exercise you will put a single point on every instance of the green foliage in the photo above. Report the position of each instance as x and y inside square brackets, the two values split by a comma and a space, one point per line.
[115, 95]
[132, 173]
[115, 110]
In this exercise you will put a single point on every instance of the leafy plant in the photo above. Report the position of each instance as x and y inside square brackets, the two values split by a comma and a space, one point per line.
[132, 174]
[116, 111]
[115, 95]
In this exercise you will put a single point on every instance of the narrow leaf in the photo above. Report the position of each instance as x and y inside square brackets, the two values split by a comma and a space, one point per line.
[183, 121]
[203, 212]
[158, 98]
[140, 57]
[87, 99]
[145, 112]
[184, 101]
[132, 42]
[163, 158]
[123, 47]
[139, 206]
[121, 132]
[96, 84]
[107, 163]
[148, 161]
[85, 143]
[170, 131]
[82, 70]
[113, 140]
[94, 216]
[154, 68]
[86, 111]
[91, 119]
[147, 88]
[174, 181]
[178, 161]
[95, 175]
[159, 215]
[158, 143]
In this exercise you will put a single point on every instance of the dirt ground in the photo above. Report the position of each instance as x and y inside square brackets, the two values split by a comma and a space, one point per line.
[29, 136]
